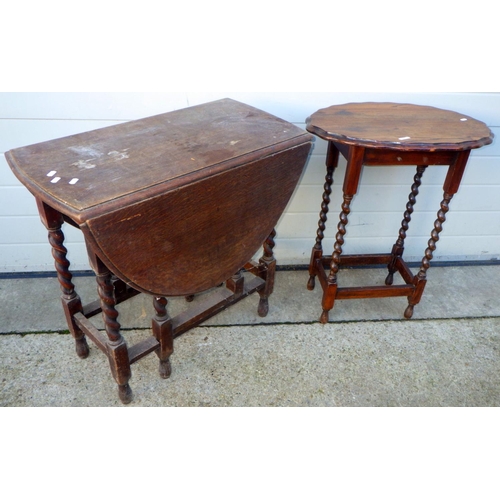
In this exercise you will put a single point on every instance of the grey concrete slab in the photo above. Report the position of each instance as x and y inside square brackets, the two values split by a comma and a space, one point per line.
[33, 304]
[368, 355]
[374, 363]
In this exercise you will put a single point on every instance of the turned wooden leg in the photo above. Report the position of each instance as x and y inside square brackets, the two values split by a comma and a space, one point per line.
[450, 187]
[350, 187]
[71, 302]
[236, 283]
[421, 278]
[398, 248]
[116, 346]
[331, 289]
[317, 251]
[269, 263]
[163, 332]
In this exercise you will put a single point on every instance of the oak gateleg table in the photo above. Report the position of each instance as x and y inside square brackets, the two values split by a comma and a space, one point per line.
[170, 205]
[387, 134]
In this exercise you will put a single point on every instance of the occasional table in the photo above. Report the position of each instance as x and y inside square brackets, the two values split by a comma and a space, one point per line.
[170, 205]
[374, 134]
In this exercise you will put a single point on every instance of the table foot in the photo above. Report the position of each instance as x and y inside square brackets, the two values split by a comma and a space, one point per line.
[263, 308]
[311, 283]
[165, 368]
[409, 312]
[324, 317]
[82, 348]
[189, 298]
[125, 394]
[390, 279]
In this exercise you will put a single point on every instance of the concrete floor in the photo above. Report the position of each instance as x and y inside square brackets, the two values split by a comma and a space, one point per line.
[368, 355]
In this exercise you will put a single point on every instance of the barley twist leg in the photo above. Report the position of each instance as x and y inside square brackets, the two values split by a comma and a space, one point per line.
[116, 346]
[398, 248]
[70, 300]
[421, 278]
[329, 296]
[317, 251]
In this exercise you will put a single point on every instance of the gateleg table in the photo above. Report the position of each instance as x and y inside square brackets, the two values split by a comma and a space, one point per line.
[170, 205]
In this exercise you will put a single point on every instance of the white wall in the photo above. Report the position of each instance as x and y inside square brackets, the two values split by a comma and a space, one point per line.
[472, 230]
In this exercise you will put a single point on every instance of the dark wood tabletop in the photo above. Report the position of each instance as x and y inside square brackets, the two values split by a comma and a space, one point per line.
[85, 171]
[199, 188]
[399, 127]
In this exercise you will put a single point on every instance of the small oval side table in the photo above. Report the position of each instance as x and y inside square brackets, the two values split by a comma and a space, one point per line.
[376, 134]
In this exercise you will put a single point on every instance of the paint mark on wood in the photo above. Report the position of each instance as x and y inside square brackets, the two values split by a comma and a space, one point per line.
[119, 155]
[83, 164]
[86, 151]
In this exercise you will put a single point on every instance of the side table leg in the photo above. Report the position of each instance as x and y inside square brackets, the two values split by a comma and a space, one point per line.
[163, 332]
[331, 289]
[398, 248]
[116, 346]
[450, 187]
[421, 278]
[317, 251]
[269, 262]
[350, 187]
[71, 302]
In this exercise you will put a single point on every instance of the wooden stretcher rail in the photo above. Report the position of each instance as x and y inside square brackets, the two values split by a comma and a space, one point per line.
[369, 292]
[365, 292]
[91, 331]
[217, 301]
[359, 260]
[404, 270]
